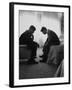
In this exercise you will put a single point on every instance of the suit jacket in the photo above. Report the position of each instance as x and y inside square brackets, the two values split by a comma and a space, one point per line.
[26, 37]
[51, 40]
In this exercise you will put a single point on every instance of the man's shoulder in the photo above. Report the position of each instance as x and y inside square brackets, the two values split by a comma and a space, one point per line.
[26, 32]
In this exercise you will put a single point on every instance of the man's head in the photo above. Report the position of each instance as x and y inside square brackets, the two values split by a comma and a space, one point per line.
[32, 29]
[44, 30]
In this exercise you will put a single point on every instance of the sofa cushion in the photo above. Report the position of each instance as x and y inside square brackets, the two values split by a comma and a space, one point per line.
[56, 54]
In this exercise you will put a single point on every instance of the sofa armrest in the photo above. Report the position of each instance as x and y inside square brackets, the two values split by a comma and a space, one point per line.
[24, 52]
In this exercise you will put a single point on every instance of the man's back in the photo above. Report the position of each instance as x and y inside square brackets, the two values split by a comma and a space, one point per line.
[53, 38]
[25, 37]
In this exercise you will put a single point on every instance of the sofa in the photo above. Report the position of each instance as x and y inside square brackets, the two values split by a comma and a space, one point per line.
[56, 54]
[24, 53]
[56, 57]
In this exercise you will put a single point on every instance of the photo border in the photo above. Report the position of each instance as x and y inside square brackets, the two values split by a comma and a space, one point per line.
[11, 42]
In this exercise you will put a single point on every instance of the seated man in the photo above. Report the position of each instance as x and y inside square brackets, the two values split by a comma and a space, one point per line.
[27, 39]
[52, 39]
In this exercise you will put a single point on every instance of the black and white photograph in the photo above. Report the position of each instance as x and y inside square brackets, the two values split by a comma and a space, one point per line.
[41, 55]
[41, 44]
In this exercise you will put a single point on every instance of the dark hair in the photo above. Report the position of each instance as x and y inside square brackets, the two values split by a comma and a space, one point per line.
[32, 27]
[43, 28]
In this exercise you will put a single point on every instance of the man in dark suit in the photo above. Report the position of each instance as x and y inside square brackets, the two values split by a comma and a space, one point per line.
[52, 39]
[27, 39]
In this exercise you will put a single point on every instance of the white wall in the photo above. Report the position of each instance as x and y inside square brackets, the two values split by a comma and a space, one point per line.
[4, 45]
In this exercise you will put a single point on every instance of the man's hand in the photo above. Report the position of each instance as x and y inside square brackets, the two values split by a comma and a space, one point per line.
[37, 45]
[32, 37]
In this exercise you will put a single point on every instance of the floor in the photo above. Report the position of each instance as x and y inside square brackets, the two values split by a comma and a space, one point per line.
[40, 70]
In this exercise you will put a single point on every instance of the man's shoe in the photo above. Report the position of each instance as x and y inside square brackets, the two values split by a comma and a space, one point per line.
[32, 61]
[43, 60]
[41, 56]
